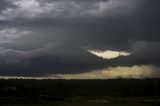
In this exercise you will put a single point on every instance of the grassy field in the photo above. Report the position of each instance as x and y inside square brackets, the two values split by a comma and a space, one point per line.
[80, 104]
[80, 101]
[114, 92]
[101, 104]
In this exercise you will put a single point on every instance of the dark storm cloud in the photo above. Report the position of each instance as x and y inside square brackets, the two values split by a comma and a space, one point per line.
[54, 35]
[145, 55]
[59, 59]
[146, 24]
[4, 4]
[24, 9]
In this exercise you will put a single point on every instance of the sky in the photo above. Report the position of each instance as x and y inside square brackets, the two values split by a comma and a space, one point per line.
[80, 39]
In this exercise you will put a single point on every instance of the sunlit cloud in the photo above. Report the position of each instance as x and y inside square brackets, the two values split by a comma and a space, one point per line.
[109, 54]
[144, 71]
[137, 72]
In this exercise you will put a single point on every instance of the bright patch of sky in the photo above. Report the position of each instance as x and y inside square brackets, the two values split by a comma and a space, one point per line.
[109, 54]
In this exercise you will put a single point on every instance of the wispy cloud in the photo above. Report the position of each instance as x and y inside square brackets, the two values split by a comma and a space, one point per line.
[10, 34]
[30, 9]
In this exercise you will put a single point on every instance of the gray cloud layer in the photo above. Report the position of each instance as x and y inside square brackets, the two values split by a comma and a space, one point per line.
[40, 37]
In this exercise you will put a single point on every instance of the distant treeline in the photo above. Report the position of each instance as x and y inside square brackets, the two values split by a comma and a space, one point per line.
[69, 88]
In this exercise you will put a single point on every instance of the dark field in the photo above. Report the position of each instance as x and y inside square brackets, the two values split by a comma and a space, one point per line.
[81, 102]
[115, 92]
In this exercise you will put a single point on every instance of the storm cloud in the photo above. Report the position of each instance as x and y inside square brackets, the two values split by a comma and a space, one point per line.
[43, 37]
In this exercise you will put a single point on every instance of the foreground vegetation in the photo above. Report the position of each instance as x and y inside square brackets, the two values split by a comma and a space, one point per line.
[115, 92]
[81, 101]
